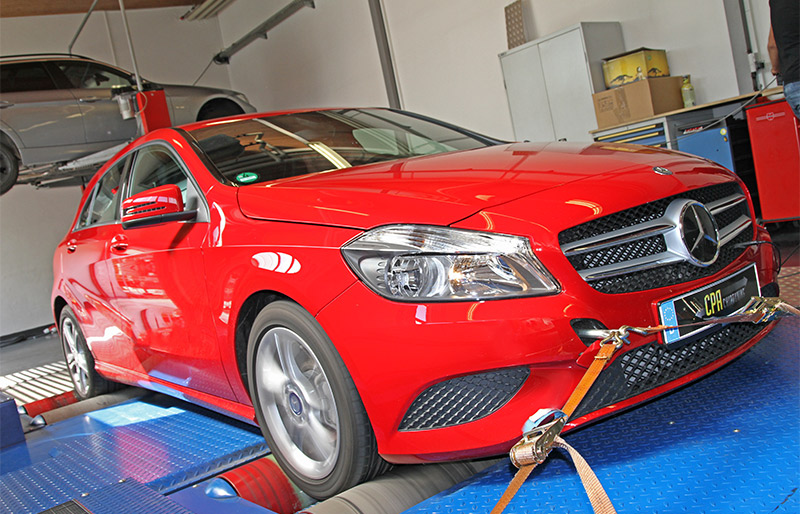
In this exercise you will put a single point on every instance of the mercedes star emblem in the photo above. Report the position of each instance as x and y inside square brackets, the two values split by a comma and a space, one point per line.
[699, 233]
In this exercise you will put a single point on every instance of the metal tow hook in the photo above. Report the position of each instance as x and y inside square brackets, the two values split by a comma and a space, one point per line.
[539, 434]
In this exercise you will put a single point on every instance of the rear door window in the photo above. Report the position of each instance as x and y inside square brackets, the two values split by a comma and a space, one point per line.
[89, 75]
[103, 204]
[29, 76]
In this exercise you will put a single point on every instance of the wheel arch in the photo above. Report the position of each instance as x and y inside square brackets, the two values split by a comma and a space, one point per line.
[10, 138]
[8, 141]
[244, 321]
[58, 305]
[226, 105]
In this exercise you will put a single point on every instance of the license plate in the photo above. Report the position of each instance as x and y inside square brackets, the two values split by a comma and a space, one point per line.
[722, 298]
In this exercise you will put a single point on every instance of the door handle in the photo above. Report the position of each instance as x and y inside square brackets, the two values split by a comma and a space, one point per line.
[4, 104]
[89, 99]
[72, 245]
[119, 243]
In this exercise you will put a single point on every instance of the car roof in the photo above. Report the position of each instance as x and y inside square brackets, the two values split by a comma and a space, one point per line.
[25, 57]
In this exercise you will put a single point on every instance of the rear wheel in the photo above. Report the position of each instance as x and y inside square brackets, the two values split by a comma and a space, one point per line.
[80, 362]
[307, 404]
[9, 169]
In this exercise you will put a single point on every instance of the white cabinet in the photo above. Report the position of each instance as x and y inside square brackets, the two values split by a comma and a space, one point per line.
[550, 81]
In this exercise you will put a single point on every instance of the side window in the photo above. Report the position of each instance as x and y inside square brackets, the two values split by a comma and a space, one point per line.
[87, 75]
[30, 76]
[155, 166]
[103, 204]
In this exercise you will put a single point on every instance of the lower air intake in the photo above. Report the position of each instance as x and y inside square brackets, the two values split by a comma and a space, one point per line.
[463, 399]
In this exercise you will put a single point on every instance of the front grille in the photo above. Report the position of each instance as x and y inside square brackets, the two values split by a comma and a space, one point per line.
[619, 253]
[677, 273]
[628, 251]
[652, 365]
[646, 212]
[463, 399]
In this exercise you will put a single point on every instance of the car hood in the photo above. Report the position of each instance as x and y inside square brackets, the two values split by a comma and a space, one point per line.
[445, 188]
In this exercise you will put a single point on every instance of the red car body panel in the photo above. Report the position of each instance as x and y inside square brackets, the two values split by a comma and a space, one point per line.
[188, 281]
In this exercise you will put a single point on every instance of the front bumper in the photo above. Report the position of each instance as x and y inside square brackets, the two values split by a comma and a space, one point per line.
[401, 350]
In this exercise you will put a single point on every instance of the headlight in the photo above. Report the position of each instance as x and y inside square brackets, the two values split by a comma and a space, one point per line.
[415, 262]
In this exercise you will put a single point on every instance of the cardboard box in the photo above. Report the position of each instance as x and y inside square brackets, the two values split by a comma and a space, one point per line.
[637, 101]
[624, 68]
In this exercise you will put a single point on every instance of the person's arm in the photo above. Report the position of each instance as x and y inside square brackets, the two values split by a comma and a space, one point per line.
[772, 50]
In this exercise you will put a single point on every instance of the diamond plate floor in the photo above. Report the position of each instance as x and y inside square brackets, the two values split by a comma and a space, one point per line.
[727, 443]
[158, 441]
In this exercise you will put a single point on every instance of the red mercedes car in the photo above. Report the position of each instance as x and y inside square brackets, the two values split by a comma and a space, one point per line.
[372, 286]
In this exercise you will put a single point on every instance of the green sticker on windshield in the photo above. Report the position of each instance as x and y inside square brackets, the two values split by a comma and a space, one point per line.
[246, 177]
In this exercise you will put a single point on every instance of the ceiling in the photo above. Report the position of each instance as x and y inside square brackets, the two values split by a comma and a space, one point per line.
[10, 8]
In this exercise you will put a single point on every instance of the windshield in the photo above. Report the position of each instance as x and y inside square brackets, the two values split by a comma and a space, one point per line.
[274, 147]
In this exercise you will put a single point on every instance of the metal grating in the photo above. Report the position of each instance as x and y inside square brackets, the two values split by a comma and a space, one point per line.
[70, 507]
[37, 383]
[131, 497]
[463, 399]
[652, 365]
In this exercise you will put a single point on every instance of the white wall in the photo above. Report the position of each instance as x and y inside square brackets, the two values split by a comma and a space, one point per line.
[446, 59]
[694, 33]
[321, 57]
[446, 51]
[32, 222]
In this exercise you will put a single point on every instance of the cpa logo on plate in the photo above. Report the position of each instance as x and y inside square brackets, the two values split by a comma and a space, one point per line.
[276, 261]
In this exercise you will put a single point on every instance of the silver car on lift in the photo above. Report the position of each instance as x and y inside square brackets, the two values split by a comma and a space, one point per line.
[59, 107]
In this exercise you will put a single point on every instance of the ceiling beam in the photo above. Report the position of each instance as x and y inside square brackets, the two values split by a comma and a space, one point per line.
[12, 8]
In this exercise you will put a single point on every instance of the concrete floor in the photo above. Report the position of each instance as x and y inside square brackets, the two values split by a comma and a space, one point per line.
[30, 353]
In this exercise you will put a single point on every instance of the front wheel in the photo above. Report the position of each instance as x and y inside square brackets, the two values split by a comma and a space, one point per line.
[307, 405]
[80, 362]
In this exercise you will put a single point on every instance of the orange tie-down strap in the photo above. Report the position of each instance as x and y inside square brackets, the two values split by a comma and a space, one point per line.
[757, 310]
[593, 490]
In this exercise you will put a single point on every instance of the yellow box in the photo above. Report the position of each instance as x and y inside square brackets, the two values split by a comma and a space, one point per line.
[625, 68]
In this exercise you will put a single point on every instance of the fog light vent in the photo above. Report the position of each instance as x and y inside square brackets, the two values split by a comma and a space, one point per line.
[463, 399]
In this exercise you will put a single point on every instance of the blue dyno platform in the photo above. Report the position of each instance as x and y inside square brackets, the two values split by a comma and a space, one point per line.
[727, 443]
[158, 441]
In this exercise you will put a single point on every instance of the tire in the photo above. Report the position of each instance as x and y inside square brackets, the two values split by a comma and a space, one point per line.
[307, 404]
[218, 109]
[80, 362]
[9, 169]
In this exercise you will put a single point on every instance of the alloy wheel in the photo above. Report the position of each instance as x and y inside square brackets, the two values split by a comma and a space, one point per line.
[297, 402]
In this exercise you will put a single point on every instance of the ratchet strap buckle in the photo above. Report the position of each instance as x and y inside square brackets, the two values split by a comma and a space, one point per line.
[539, 434]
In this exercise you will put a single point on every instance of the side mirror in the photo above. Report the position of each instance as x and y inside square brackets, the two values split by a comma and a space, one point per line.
[158, 205]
